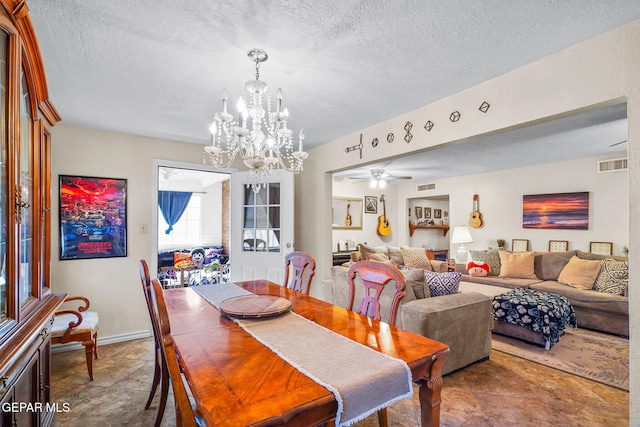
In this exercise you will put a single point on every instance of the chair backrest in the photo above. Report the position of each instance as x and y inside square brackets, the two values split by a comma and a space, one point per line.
[145, 279]
[184, 410]
[299, 270]
[375, 276]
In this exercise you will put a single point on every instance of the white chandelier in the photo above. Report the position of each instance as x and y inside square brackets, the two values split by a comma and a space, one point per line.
[378, 180]
[260, 136]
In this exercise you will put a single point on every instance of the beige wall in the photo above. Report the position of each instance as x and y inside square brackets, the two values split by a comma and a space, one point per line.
[598, 72]
[113, 284]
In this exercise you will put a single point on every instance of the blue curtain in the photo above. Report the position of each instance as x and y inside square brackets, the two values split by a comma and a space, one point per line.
[172, 205]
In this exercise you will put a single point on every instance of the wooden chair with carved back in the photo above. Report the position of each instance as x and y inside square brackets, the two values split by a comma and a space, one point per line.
[375, 277]
[77, 325]
[185, 414]
[300, 268]
[160, 373]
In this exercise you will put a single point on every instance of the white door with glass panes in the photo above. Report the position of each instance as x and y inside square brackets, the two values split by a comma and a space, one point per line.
[261, 226]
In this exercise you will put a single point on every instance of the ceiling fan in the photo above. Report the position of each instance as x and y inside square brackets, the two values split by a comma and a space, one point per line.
[379, 178]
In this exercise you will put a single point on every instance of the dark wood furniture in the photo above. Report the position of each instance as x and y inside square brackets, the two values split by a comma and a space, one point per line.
[375, 277]
[160, 372]
[237, 381]
[185, 416]
[341, 257]
[439, 254]
[26, 301]
[414, 227]
[77, 325]
[299, 270]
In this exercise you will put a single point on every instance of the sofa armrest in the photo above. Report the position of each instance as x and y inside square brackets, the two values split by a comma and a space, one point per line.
[327, 292]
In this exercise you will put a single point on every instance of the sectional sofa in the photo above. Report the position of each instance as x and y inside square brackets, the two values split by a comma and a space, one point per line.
[596, 285]
[463, 320]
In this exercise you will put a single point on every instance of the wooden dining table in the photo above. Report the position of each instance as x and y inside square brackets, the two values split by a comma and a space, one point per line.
[237, 381]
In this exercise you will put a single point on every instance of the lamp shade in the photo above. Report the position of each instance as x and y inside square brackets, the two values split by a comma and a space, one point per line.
[461, 234]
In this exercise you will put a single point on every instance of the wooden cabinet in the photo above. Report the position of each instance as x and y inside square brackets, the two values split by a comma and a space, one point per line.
[26, 302]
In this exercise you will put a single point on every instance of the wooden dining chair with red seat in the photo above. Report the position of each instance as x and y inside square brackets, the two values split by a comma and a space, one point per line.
[79, 325]
[185, 414]
[160, 374]
[299, 270]
[375, 277]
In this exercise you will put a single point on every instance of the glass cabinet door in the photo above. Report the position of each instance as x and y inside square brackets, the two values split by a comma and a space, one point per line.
[27, 192]
[4, 188]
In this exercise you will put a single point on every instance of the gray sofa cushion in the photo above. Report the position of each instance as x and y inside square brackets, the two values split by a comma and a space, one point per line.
[505, 282]
[582, 298]
[548, 265]
[395, 255]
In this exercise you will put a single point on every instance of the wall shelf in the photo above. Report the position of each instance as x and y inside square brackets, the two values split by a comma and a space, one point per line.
[413, 228]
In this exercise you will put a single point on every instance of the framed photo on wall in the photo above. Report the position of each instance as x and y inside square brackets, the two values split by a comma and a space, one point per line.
[558, 245]
[418, 212]
[92, 217]
[370, 204]
[427, 213]
[601, 248]
[519, 245]
[437, 213]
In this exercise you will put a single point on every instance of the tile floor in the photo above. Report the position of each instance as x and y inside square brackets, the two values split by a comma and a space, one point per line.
[503, 391]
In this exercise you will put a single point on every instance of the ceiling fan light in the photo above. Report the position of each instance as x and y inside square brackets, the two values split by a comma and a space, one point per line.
[382, 183]
[373, 183]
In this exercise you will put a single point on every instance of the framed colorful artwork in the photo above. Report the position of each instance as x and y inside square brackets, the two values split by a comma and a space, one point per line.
[93, 217]
[558, 210]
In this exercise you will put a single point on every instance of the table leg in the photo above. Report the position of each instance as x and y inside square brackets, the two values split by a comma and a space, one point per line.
[430, 386]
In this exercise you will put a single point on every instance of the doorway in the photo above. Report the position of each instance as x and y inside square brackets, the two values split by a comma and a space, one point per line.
[192, 233]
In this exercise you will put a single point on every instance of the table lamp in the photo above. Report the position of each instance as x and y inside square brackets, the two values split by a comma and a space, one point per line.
[461, 236]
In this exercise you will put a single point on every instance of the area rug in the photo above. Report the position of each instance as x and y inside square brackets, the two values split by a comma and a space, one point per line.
[593, 355]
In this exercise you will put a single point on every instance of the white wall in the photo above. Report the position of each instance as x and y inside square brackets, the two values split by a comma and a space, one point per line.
[212, 214]
[599, 72]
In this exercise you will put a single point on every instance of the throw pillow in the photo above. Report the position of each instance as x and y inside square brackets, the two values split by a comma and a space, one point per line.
[440, 284]
[580, 273]
[415, 279]
[491, 257]
[395, 255]
[374, 253]
[416, 258]
[518, 265]
[613, 277]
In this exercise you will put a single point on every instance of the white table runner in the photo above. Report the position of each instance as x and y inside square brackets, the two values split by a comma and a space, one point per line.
[363, 380]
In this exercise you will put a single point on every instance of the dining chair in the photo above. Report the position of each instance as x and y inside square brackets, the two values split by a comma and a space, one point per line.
[299, 270]
[375, 276]
[185, 414]
[79, 325]
[160, 373]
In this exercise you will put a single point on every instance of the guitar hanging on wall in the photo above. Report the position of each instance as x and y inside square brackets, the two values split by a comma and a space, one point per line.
[347, 218]
[384, 229]
[475, 217]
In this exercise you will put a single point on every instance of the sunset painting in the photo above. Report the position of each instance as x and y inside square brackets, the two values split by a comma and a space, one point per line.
[559, 210]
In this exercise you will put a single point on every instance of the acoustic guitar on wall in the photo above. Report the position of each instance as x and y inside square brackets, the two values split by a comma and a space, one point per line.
[475, 217]
[347, 219]
[384, 229]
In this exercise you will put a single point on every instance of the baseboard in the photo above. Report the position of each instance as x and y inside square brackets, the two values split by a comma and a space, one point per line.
[59, 348]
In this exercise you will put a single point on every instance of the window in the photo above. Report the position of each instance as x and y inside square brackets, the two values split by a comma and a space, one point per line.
[186, 232]
[261, 231]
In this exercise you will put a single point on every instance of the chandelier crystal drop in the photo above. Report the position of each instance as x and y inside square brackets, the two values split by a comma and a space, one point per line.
[258, 134]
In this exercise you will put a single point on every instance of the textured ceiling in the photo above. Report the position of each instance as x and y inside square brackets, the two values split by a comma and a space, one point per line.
[157, 67]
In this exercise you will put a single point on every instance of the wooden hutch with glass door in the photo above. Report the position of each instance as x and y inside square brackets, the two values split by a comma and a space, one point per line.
[27, 304]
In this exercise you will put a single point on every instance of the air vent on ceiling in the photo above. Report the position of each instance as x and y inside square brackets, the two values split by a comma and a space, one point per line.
[612, 165]
[426, 187]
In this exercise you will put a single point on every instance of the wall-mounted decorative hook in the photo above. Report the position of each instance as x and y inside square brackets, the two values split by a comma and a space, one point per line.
[355, 147]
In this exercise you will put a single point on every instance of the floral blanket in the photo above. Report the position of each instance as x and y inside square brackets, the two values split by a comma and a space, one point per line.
[542, 312]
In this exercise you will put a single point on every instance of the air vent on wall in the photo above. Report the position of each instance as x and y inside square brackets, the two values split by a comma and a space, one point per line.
[612, 165]
[426, 187]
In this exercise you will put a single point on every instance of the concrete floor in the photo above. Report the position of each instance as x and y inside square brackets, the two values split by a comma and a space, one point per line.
[503, 391]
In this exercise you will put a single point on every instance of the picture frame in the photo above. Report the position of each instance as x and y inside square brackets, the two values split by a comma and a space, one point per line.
[427, 213]
[519, 245]
[370, 204]
[437, 213]
[418, 211]
[568, 211]
[601, 248]
[92, 217]
[558, 245]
